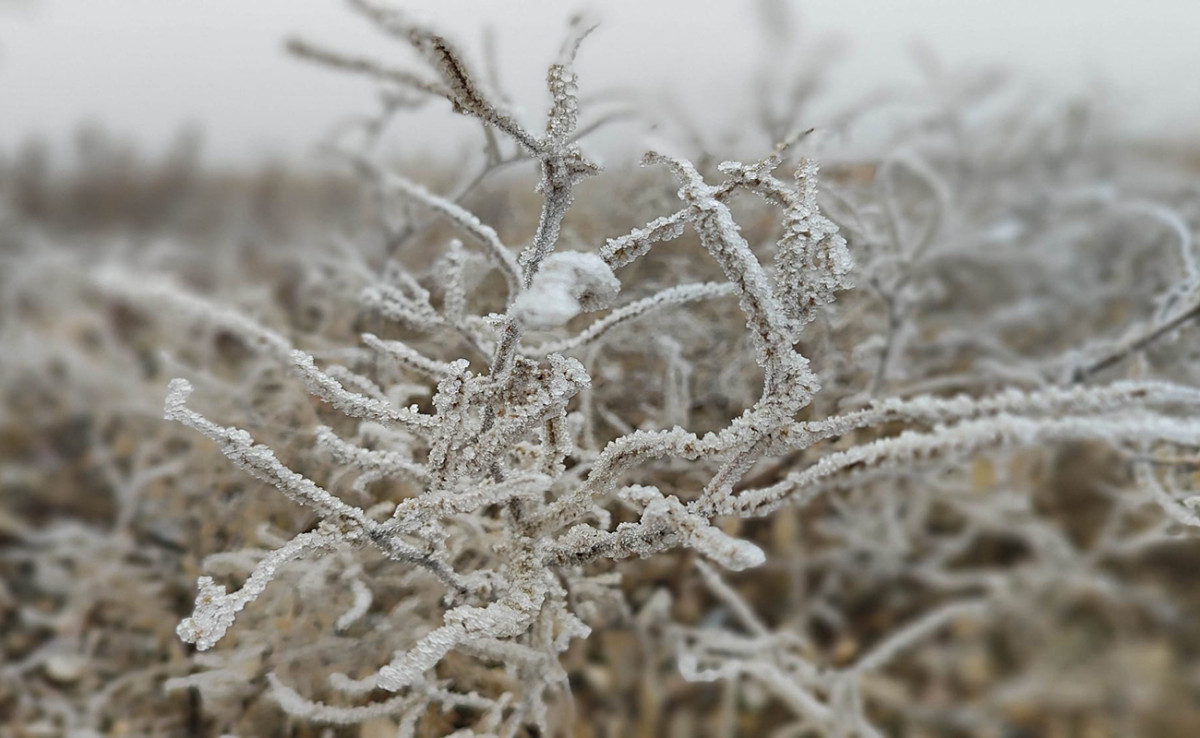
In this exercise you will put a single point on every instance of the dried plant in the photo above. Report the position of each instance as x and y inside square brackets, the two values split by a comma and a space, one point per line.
[515, 502]
[903, 378]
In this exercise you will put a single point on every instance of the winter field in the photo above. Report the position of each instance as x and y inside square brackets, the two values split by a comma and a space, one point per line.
[882, 420]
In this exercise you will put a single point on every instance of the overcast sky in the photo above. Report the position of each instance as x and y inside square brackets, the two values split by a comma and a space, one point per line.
[144, 68]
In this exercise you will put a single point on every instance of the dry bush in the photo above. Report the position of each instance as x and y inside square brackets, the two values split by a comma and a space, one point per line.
[903, 448]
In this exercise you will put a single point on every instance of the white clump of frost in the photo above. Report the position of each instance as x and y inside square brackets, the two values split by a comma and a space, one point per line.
[567, 284]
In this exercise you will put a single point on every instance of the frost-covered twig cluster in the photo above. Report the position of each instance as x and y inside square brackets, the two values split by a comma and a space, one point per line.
[820, 436]
[515, 500]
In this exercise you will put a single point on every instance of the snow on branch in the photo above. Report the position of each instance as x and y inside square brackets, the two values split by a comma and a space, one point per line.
[958, 441]
[215, 608]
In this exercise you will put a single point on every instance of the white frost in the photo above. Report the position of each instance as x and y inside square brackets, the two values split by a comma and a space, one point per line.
[567, 284]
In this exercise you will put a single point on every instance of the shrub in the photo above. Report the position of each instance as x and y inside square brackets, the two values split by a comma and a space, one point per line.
[868, 449]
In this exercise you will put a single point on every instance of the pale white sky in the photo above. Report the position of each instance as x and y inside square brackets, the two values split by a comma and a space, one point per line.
[144, 68]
